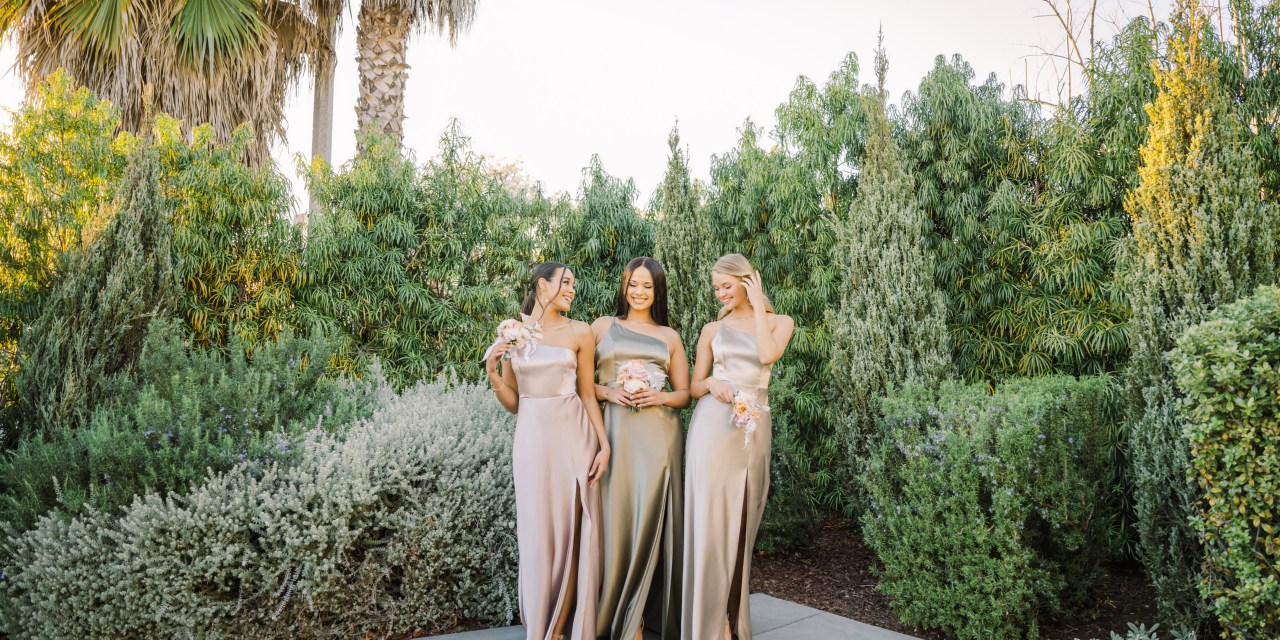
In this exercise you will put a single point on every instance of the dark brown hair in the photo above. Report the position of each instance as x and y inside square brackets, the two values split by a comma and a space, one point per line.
[659, 309]
[544, 271]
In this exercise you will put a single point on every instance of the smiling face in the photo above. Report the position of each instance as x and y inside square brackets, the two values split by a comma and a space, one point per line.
[558, 291]
[640, 291]
[729, 290]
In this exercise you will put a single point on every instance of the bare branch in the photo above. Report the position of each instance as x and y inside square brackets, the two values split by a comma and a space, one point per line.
[1062, 20]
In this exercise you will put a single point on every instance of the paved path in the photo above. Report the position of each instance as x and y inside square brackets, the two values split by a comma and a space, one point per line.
[771, 619]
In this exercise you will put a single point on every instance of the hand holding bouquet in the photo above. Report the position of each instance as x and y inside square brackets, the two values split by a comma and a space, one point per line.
[636, 375]
[745, 413]
[518, 336]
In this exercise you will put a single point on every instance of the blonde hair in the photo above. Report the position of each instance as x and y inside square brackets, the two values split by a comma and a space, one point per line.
[736, 265]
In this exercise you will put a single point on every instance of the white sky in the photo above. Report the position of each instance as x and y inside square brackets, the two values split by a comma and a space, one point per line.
[549, 83]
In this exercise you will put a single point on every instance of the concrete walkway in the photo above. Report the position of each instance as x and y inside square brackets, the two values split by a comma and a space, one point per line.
[771, 619]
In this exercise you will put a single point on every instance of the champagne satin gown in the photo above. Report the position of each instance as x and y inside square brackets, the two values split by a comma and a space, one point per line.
[643, 500]
[557, 516]
[726, 484]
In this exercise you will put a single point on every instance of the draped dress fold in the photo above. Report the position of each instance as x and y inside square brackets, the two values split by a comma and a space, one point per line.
[642, 495]
[557, 515]
[726, 486]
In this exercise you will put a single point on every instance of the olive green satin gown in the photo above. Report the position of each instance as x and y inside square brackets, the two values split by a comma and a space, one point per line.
[726, 485]
[642, 501]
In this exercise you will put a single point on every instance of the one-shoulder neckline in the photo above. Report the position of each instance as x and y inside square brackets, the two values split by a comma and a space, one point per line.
[618, 323]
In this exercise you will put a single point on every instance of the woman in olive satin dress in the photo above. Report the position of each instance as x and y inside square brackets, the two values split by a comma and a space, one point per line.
[727, 470]
[642, 493]
[560, 453]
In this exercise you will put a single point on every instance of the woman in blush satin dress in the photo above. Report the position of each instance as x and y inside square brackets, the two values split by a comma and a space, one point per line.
[560, 453]
[642, 492]
[727, 469]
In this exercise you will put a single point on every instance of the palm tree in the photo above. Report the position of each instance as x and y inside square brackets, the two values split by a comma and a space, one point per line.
[222, 62]
[382, 36]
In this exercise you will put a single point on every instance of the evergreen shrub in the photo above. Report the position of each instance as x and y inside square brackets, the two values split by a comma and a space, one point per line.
[405, 522]
[1229, 370]
[187, 413]
[983, 506]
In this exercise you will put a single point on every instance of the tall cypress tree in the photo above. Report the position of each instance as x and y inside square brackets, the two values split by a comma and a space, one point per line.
[1202, 237]
[891, 325]
[682, 243]
[93, 325]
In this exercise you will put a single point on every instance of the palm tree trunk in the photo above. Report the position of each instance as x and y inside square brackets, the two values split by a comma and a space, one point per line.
[322, 107]
[382, 36]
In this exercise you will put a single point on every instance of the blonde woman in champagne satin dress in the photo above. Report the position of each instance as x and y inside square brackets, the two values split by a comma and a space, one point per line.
[642, 492]
[727, 470]
[560, 453]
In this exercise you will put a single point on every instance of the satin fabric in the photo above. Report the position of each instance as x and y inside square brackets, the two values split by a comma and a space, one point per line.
[557, 515]
[642, 500]
[726, 485]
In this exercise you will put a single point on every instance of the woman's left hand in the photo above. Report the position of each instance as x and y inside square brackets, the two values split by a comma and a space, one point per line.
[598, 466]
[755, 290]
[648, 398]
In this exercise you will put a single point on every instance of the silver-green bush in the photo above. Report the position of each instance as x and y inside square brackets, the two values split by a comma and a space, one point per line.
[406, 521]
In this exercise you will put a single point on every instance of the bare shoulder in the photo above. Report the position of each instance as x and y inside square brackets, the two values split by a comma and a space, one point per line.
[601, 324]
[579, 327]
[781, 322]
[582, 334]
[709, 329]
[670, 336]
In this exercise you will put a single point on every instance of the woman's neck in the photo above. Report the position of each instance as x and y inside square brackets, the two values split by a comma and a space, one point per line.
[639, 316]
[545, 316]
[740, 312]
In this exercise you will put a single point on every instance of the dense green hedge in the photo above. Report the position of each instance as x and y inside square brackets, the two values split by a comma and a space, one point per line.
[984, 508]
[1229, 369]
[185, 414]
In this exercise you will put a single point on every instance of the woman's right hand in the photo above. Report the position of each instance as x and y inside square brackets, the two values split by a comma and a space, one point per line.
[620, 397]
[720, 390]
[496, 353]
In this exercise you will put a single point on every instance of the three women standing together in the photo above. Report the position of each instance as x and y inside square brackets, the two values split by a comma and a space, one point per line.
[608, 550]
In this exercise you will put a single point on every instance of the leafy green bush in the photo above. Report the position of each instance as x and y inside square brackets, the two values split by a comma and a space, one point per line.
[405, 521]
[411, 265]
[235, 250]
[598, 237]
[794, 509]
[983, 506]
[60, 162]
[1204, 235]
[1229, 369]
[187, 413]
[91, 327]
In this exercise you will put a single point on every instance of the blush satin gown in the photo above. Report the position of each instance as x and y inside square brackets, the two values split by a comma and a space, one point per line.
[557, 515]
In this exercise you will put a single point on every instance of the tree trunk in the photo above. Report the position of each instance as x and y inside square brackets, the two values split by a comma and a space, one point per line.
[382, 36]
[322, 107]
